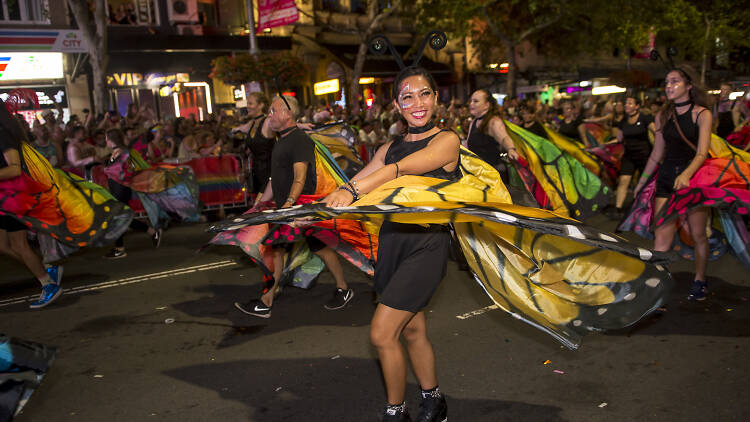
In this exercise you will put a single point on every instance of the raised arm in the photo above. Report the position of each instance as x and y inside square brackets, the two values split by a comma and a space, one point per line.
[499, 132]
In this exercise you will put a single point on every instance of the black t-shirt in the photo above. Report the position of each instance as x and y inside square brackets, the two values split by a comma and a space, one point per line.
[294, 147]
[6, 143]
[537, 129]
[635, 136]
[571, 129]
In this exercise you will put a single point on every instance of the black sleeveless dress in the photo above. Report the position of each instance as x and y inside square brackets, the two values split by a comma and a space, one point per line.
[677, 153]
[262, 150]
[636, 142]
[725, 125]
[483, 145]
[412, 259]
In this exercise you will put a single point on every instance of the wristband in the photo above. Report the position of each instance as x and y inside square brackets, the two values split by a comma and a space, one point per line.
[645, 175]
[350, 190]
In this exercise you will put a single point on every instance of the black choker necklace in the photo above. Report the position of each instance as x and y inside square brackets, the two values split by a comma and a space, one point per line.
[423, 129]
[287, 130]
[684, 103]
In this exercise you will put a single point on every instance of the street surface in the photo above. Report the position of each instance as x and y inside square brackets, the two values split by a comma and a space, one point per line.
[154, 336]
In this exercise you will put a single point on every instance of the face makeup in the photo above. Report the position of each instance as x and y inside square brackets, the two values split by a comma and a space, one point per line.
[416, 100]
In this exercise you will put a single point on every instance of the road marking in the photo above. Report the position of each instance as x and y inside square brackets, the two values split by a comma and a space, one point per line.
[477, 312]
[128, 280]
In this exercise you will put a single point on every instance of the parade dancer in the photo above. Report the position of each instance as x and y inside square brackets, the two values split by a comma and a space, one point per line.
[13, 238]
[555, 273]
[412, 259]
[683, 137]
[488, 137]
[260, 141]
[293, 174]
[117, 168]
[633, 133]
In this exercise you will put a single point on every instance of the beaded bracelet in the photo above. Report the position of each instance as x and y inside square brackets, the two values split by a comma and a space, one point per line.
[350, 190]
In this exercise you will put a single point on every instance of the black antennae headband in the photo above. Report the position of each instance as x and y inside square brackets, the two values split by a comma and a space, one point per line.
[379, 43]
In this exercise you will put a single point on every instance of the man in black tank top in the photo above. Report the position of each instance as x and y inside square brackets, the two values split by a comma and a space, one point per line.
[723, 119]
[294, 174]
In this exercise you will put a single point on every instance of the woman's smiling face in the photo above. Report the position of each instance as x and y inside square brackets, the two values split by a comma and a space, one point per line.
[416, 100]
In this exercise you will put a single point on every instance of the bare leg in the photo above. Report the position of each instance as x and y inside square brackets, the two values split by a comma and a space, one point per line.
[697, 220]
[334, 266]
[5, 246]
[278, 267]
[420, 352]
[622, 190]
[387, 325]
[20, 245]
[664, 235]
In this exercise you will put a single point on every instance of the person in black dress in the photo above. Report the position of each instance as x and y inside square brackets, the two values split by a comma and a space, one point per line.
[411, 258]
[531, 123]
[488, 137]
[572, 124]
[682, 141]
[260, 140]
[633, 134]
[723, 112]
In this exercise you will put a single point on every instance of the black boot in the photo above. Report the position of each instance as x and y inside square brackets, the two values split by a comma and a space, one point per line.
[434, 408]
[396, 413]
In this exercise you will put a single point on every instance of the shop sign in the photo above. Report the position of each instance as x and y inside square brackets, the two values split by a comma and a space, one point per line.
[326, 87]
[26, 66]
[64, 40]
[149, 80]
[47, 95]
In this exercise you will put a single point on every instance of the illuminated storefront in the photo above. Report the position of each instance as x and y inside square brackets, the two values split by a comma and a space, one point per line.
[40, 71]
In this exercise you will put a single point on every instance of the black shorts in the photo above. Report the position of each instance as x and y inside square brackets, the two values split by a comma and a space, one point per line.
[666, 176]
[412, 260]
[10, 224]
[631, 164]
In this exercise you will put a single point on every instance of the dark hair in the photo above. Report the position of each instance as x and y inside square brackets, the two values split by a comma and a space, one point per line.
[493, 111]
[637, 100]
[77, 129]
[117, 137]
[697, 93]
[11, 123]
[412, 71]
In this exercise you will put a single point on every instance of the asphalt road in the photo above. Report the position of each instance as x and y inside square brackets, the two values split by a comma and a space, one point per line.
[120, 360]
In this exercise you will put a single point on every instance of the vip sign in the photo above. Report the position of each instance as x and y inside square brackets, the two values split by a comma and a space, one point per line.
[150, 80]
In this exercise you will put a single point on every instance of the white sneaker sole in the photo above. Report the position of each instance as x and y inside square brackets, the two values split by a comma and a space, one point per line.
[341, 306]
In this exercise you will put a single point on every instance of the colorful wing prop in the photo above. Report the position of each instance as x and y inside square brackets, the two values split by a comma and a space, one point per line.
[555, 273]
[351, 239]
[71, 210]
[570, 187]
[339, 139]
[722, 183]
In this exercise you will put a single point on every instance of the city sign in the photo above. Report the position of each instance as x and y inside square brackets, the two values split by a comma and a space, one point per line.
[326, 87]
[26, 66]
[64, 40]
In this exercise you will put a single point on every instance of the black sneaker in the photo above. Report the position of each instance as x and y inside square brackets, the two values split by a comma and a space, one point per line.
[156, 238]
[396, 415]
[116, 254]
[255, 307]
[340, 298]
[434, 408]
[699, 291]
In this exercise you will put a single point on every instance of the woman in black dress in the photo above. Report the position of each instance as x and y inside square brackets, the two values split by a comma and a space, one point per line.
[260, 140]
[633, 133]
[682, 141]
[411, 258]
